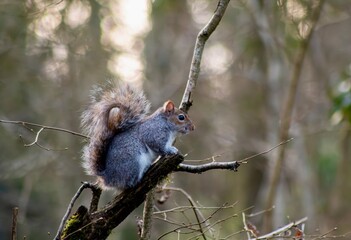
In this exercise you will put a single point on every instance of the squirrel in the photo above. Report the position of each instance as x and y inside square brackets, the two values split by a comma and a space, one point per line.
[124, 140]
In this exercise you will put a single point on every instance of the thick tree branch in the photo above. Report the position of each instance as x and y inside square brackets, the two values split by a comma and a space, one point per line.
[99, 224]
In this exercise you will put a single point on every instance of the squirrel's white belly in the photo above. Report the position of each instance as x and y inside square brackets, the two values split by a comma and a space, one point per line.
[171, 138]
[145, 160]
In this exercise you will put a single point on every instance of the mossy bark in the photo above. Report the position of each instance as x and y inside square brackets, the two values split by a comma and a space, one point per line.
[99, 224]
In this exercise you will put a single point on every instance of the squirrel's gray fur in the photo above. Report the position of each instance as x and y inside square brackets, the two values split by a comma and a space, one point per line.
[124, 141]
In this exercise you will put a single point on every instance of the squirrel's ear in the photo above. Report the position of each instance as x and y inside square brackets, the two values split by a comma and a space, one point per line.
[168, 106]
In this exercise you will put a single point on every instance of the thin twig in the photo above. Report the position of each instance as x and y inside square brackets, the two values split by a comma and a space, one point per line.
[246, 227]
[282, 229]
[223, 220]
[265, 152]
[194, 208]
[36, 138]
[325, 234]
[26, 124]
[260, 212]
[184, 208]
[232, 234]
[190, 225]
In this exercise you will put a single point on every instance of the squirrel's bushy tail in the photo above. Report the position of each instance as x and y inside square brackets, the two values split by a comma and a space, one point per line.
[111, 110]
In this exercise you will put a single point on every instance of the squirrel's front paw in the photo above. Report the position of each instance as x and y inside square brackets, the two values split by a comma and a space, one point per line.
[171, 151]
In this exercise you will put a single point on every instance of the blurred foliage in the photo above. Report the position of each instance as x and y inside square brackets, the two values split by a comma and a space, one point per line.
[342, 98]
[53, 52]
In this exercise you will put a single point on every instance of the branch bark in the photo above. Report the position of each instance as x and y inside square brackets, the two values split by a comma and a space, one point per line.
[99, 224]
[233, 165]
[208, 166]
[202, 37]
[147, 216]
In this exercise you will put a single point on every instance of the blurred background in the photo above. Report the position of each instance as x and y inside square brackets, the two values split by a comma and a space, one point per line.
[53, 52]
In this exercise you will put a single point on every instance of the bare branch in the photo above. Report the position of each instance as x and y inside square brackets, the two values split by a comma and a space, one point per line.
[36, 138]
[26, 124]
[265, 152]
[260, 212]
[282, 229]
[196, 211]
[233, 165]
[185, 208]
[202, 37]
[208, 166]
[248, 231]
[99, 224]
[324, 235]
[223, 220]
[192, 224]
[70, 206]
[147, 216]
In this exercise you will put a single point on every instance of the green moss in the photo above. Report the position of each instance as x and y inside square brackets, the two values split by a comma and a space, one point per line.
[74, 223]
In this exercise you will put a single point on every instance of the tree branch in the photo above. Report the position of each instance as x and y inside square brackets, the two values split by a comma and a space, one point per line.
[233, 165]
[202, 37]
[147, 216]
[70, 206]
[281, 230]
[208, 166]
[99, 224]
[43, 127]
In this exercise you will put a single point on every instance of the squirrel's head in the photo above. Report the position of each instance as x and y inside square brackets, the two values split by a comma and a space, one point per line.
[180, 119]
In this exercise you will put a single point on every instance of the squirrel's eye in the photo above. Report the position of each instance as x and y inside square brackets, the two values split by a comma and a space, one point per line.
[181, 117]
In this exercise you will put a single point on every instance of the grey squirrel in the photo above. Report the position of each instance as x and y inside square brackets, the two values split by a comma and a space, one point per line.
[124, 140]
